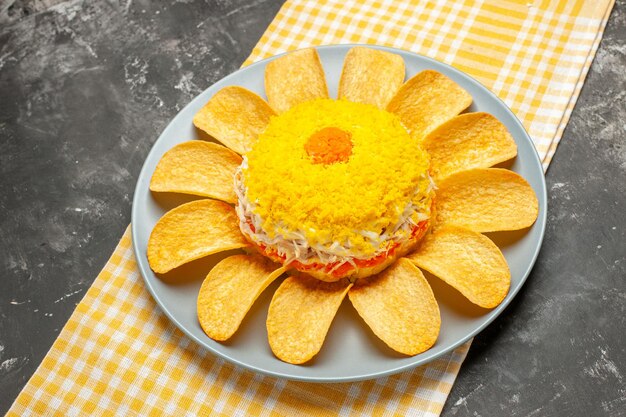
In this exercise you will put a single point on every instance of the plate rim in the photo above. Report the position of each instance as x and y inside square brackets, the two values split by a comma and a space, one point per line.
[424, 358]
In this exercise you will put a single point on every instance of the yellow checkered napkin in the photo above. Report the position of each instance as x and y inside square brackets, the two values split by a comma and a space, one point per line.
[118, 354]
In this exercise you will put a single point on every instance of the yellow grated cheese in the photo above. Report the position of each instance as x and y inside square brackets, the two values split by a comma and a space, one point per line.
[336, 202]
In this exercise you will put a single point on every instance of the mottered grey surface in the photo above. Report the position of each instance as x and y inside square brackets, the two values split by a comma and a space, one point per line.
[87, 86]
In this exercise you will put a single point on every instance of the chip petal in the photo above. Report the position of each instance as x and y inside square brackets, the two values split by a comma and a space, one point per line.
[295, 78]
[198, 168]
[472, 140]
[427, 100]
[300, 315]
[400, 308]
[486, 200]
[234, 116]
[371, 76]
[192, 231]
[467, 261]
[230, 290]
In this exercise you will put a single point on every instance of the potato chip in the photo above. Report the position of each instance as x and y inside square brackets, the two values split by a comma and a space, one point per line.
[467, 261]
[229, 291]
[199, 168]
[192, 231]
[234, 116]
[300, 315]
[371, 76]
[428, 100]
[295, 78]
[486, 200]
[400, 308]
[472, 140]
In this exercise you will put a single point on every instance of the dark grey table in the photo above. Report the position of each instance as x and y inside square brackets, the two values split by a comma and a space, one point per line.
[87, 86]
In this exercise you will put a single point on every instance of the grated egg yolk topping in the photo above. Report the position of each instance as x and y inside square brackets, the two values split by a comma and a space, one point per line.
[336, 171]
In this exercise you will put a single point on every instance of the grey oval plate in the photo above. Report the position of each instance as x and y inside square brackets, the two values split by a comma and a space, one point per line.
[351, 352]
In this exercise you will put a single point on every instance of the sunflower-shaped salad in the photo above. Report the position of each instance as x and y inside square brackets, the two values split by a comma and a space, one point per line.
[349, 196]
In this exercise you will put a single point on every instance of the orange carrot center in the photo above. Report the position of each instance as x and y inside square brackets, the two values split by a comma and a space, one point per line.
[328, 146]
